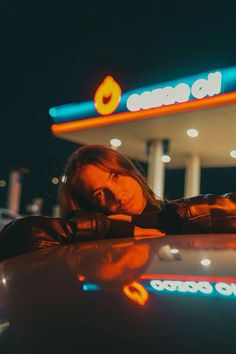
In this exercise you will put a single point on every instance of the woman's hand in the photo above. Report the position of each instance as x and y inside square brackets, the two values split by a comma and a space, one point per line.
[139, 232]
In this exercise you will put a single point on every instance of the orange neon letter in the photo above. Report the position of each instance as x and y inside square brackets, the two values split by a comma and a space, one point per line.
[107, 97]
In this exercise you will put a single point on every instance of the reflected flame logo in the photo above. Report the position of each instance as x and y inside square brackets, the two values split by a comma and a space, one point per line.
[107, 97]
[136, 292]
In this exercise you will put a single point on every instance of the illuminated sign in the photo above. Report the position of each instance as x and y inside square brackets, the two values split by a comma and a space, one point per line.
[136, 292]
[178, 94]
[107, 97]
[91, 287]
[111, 106]
[192, 285]
[182, 286]
[176, 284]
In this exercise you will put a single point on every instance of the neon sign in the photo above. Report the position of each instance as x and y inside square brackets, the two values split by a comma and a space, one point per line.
[176, 284]
[111, 106]
[107, 97]
[136, 292]
[178, 94]
[194, 287]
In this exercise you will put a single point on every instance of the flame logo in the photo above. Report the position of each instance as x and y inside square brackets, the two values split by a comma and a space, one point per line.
[136, 292]
[107, 97]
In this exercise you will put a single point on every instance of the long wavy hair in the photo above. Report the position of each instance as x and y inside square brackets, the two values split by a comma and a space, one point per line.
[72, 195]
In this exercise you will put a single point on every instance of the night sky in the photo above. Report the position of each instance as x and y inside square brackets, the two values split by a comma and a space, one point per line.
[58, 52]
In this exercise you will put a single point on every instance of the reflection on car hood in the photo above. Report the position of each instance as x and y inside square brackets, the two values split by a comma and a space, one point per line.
[175, 294]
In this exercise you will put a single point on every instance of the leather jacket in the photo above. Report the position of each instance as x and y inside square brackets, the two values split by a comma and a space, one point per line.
[196, 215]
[200, 214]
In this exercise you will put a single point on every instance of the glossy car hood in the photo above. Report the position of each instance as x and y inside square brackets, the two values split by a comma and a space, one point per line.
[175, 294]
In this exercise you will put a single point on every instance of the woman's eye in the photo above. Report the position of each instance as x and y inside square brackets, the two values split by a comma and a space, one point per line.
[115, 176]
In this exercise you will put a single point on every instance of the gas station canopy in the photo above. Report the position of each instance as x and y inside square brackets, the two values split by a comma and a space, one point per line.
[163, 112]
[206, 102]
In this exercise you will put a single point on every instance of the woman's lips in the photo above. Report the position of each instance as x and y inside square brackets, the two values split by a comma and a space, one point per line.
[127, 204]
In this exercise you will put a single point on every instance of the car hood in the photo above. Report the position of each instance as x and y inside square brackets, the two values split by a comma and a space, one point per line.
[175, 294]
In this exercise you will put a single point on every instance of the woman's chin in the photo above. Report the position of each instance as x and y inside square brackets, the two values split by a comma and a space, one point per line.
[138, 210]
[133, 211]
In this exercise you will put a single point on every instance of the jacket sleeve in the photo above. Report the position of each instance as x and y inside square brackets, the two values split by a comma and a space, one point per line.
[201, 214]
[35, 232]
[164, 220]
[206, 213]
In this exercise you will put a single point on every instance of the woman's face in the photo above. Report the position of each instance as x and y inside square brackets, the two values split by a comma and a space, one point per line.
[113, 192]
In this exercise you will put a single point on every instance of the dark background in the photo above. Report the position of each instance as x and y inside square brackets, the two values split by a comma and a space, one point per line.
[57, 52]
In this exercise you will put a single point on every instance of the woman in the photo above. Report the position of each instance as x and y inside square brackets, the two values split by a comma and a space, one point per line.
[105, 196]
[100, 179]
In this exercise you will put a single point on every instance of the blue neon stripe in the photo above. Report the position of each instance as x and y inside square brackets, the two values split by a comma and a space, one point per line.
[73, 111]
[91, 287]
